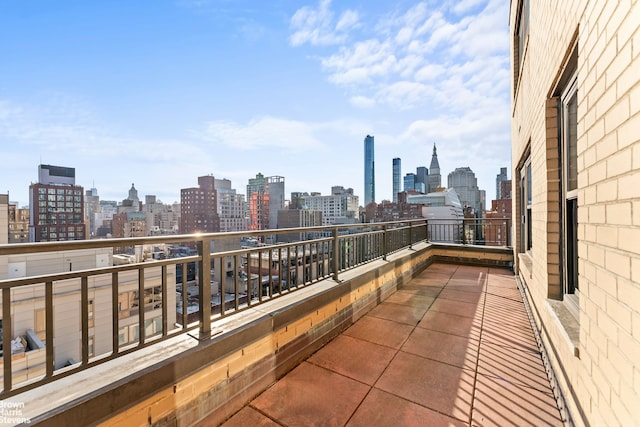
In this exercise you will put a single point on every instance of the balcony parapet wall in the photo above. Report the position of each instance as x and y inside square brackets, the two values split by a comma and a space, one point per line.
[183, 379]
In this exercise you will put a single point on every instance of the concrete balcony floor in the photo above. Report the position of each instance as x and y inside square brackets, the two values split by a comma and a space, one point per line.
[453, 347]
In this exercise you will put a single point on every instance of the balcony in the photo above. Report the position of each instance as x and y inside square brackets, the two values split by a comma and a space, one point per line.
[431, 329]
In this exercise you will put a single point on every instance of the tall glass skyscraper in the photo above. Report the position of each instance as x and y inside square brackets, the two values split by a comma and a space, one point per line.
[396, 179]
[369, 171]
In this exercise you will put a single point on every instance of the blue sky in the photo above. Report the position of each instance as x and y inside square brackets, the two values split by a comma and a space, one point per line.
[160, 92]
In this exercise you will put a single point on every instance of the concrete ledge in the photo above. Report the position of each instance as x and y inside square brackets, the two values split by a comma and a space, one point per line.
[485, 256]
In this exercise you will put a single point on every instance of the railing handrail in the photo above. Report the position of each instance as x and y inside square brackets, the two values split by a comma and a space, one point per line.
[27, 248]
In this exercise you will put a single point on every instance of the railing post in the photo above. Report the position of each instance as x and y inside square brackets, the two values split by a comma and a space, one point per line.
[6, 338]
[336, 251]
[204, 288]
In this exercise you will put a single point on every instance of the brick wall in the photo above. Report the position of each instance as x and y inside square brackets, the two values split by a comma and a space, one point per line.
[598, 371]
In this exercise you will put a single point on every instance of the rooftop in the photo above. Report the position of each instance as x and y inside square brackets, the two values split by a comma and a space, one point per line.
[453, 346]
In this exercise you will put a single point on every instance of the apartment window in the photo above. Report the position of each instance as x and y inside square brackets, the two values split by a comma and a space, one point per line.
[128, 334]
[569, 161]
[525, 206]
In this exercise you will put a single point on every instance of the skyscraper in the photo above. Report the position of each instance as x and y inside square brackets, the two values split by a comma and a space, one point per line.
[369, 171]
[502, 176]
[435, 180]
[410, 182]
[396, 178]
[464, 181]
[422, 180]
[56, 206]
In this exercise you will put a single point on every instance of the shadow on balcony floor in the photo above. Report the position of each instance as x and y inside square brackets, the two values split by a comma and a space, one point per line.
[453, 347]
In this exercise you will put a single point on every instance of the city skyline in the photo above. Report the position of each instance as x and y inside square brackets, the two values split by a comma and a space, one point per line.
[160, 93]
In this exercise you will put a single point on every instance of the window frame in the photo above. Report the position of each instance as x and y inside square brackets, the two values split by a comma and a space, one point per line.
[569, 192]
[526, 204]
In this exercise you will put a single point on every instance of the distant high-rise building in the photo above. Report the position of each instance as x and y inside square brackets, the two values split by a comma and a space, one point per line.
[369, 171]
[502, 176]
[435, 180]
[4, 225]
[422, 180]
[396, 178]
[18, 224]
[131, 203]
[297, 218]
[341, 207]
[56, 206]
[265, 196]
[231, 207]
[464, 181]
[297, 200]
[409, 182]
[92, 207]
[199, 207]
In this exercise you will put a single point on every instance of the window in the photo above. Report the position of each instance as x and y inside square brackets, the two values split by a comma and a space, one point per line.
[525, 206]
[569, 197]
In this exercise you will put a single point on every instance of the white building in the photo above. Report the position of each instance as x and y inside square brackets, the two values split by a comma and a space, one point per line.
[341, 207]
[232, 208]
[444, 213]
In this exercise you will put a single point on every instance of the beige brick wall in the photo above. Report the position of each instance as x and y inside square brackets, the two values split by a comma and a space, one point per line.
[605, 378]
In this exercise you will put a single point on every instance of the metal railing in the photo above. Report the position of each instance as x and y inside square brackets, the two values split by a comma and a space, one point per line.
[76, 319]
[471, 231]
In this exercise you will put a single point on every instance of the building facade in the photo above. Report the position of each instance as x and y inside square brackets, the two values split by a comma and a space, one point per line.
[198, 206]
[464, 181]
[91, 208]
[397, 176]
[265, 197]
[369, 171]
[576, 197]
[422, 179]
[231, 207]
[18, 224]
[409, 182]
[435, 179]
[56, 206]
[501, 177]
[296, 218]
[341, 207]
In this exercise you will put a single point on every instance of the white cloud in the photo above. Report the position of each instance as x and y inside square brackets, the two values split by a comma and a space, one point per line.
[463, 6]
[316, 25]
[460, 56]
[430, 72]
[404, 95]
[348, 20]
[361, 63]
[263, 132]
[362, 102]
